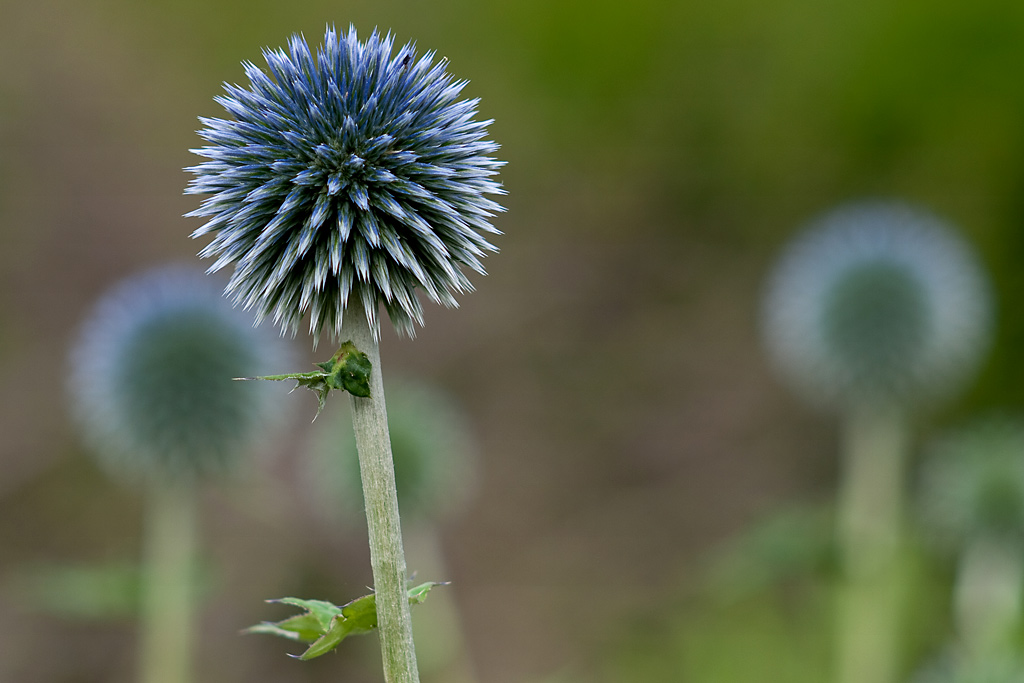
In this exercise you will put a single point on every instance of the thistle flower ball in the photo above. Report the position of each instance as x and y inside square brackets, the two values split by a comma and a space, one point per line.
[352, 173]
[878, 300]
[151, 377]
[972, 481]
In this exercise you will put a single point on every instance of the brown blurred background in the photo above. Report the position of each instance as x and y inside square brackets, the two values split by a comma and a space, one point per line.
[659, 154]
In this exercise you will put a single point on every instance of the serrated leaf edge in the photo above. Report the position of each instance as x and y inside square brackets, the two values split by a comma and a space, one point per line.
[340, 625]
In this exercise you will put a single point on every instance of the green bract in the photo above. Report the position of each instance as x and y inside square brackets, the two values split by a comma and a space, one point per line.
[324, 625]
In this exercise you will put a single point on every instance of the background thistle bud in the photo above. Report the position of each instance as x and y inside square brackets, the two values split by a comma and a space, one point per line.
[349, 173]
[151, 377]
[877, 300]
[433, 450]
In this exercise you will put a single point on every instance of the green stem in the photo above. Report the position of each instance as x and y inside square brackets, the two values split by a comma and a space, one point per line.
[167, 602]
[987, 595]
[377, 470]
[870, 519]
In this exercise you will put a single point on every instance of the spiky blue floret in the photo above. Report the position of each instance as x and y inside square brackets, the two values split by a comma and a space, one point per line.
[878, 300]
[151, 377]
[349, 173]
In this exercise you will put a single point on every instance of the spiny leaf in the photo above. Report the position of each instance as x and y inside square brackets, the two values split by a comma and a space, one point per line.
[275, 630]
[418, 594]
[325, 625]
[321, 611]
[362, 613]
[340, 629]
[348, 370]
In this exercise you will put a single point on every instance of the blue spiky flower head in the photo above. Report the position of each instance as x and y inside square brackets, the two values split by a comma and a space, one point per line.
[877, 300]
[151, 377]
[354, 172]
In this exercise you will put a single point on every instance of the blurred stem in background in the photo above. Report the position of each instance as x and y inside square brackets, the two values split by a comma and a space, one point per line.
[168, 599]
[972, 502]
[442, 643]
[870, 531]
[987, 595]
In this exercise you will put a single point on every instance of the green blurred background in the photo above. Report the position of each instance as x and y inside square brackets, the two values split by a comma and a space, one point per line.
[659, 154]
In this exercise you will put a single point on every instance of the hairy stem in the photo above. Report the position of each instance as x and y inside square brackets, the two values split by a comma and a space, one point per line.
[870, 518]
[167, 603]
[377, 470]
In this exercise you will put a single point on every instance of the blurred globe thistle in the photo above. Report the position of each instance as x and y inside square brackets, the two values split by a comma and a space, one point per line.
[878, 300]
[433, 450]
[151, 377]
[972, 482]
[353, 172]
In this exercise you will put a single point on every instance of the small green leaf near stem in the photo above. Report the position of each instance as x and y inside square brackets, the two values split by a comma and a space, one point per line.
[348, 370]
[324, 625]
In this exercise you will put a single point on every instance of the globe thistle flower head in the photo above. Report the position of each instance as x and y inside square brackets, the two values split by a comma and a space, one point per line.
[351, 173]
[151, 378]
[877, 301]
[972, 482]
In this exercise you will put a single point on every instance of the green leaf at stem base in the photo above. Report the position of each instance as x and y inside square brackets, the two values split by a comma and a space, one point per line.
[324, 625]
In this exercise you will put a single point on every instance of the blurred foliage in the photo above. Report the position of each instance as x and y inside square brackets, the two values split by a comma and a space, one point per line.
[82, 592]
[765, 610]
